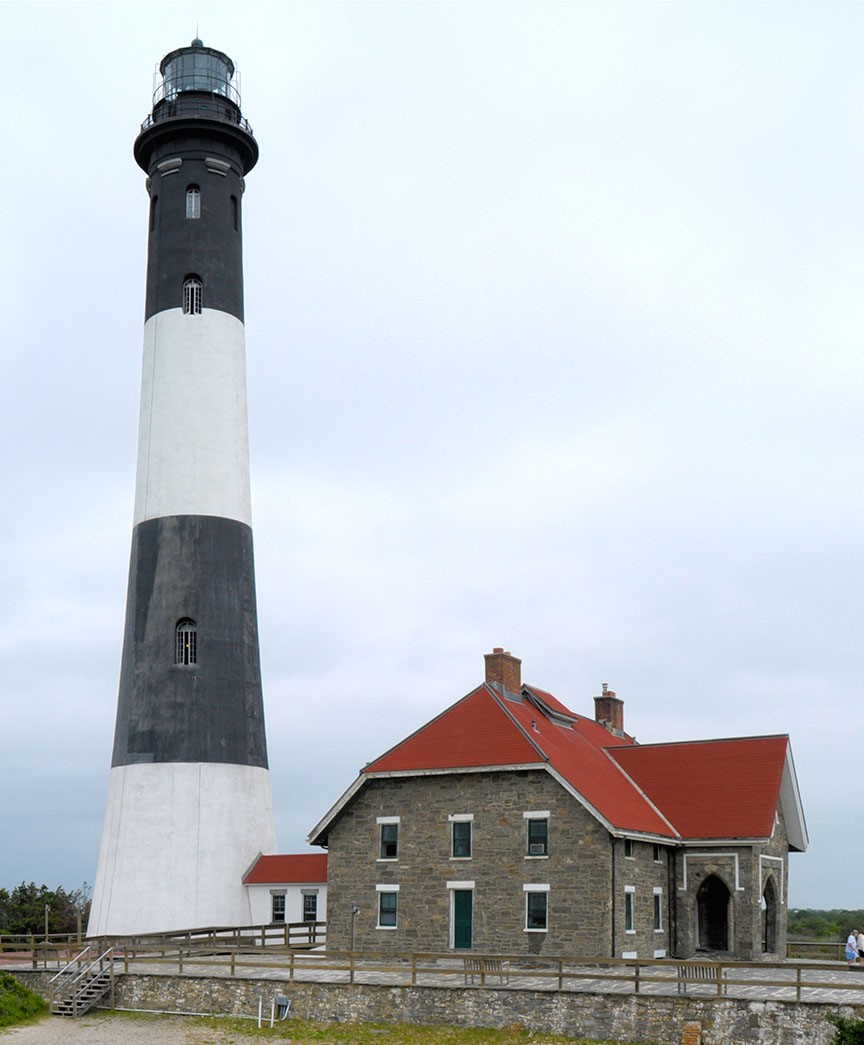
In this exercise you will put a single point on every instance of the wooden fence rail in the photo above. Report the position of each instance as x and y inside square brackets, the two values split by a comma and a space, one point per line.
[296, 951]
[798, 981]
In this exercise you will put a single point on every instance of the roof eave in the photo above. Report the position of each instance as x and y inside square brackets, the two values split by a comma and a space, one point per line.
[790, 803]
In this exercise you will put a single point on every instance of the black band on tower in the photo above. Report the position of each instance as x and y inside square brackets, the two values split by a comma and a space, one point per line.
[207, 707]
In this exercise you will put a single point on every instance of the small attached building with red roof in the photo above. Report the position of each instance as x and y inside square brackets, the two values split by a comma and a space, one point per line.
[287, 888]
[511, 824]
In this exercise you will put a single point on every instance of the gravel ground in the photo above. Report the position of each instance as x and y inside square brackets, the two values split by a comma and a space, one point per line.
[119, 1030]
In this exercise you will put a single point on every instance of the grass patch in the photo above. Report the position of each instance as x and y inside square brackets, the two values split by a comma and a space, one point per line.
[301, 1032]
[17, 1004]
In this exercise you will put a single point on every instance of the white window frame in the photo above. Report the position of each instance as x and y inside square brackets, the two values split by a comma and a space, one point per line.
[658, 909]
[461, 818]
[534, 888]
[278, 894]
[381, 889]
[382, 822]
[629, 849]
[528, 816]
[630, 909]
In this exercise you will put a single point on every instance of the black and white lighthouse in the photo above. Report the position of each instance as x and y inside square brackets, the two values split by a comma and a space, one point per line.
[189, 804]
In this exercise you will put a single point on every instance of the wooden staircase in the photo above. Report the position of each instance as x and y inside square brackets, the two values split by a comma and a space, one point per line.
[82, 983]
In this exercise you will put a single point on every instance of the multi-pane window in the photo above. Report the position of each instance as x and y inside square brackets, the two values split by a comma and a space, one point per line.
[658, 909]
[193, 202]
[538, 836]
[388, 848]
[461, 838]
[193, 296]
[387, 908]
[536, 908]
[629, 909]
[310, 907]
[186, 642]
[278, 907]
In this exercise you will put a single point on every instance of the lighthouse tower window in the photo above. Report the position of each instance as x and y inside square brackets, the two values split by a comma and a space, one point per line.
[186, 642]
[193, 290]
[193, 202]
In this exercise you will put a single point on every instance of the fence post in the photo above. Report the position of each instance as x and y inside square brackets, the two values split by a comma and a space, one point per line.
[413, 970]
[636, 978]
[798, 984]
[560, 974]
[351, 967]
[721, 986]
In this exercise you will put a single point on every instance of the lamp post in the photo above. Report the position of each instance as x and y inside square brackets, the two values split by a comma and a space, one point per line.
[355, 910]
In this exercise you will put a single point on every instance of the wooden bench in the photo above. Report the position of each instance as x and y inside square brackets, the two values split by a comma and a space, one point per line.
[484, 967]
[697, 973]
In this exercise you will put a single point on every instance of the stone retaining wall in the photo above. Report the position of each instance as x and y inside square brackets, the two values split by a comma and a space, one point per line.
[637, 1018]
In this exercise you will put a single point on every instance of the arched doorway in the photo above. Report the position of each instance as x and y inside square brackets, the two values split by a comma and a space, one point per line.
[769, 917]
[712, 914]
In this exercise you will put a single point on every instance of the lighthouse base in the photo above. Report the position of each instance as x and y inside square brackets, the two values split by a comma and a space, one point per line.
[177, 840]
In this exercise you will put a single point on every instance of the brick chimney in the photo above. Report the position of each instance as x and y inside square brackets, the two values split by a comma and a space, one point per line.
[609, 710]
[503, 670]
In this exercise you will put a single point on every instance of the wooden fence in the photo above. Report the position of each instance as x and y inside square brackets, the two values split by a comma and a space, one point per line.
[791, 981]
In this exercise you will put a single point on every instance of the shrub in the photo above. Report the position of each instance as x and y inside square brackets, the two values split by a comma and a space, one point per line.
[849, 1031]
[17, 1003]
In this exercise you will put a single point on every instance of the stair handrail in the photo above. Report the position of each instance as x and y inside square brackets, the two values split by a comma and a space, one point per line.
[67, 967]
[82, 972]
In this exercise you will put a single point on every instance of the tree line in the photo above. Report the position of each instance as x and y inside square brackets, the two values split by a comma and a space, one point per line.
[808, 924]
[22, 911]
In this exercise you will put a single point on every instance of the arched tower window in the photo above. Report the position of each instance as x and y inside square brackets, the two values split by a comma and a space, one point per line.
[186, 641]
[193, 202]
[193, 292]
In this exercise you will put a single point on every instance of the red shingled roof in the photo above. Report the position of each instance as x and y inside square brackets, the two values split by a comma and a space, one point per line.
[712, 788]
[282, 870]
[704, 789]
[487, 729]
[476, 731]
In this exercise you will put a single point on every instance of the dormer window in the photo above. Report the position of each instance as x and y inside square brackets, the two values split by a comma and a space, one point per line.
[186, 642]
[193, 202]
[193, 294]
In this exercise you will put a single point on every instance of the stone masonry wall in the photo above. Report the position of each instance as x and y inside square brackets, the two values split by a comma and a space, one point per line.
[637, 1018]
[577, 869]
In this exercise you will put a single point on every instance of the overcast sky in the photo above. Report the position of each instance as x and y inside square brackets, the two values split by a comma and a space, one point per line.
[554, 324]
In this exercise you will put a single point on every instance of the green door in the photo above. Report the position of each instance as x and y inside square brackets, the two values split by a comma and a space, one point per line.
[463, 906]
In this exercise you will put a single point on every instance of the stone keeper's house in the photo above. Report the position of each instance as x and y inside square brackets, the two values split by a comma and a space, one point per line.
[510, 824]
